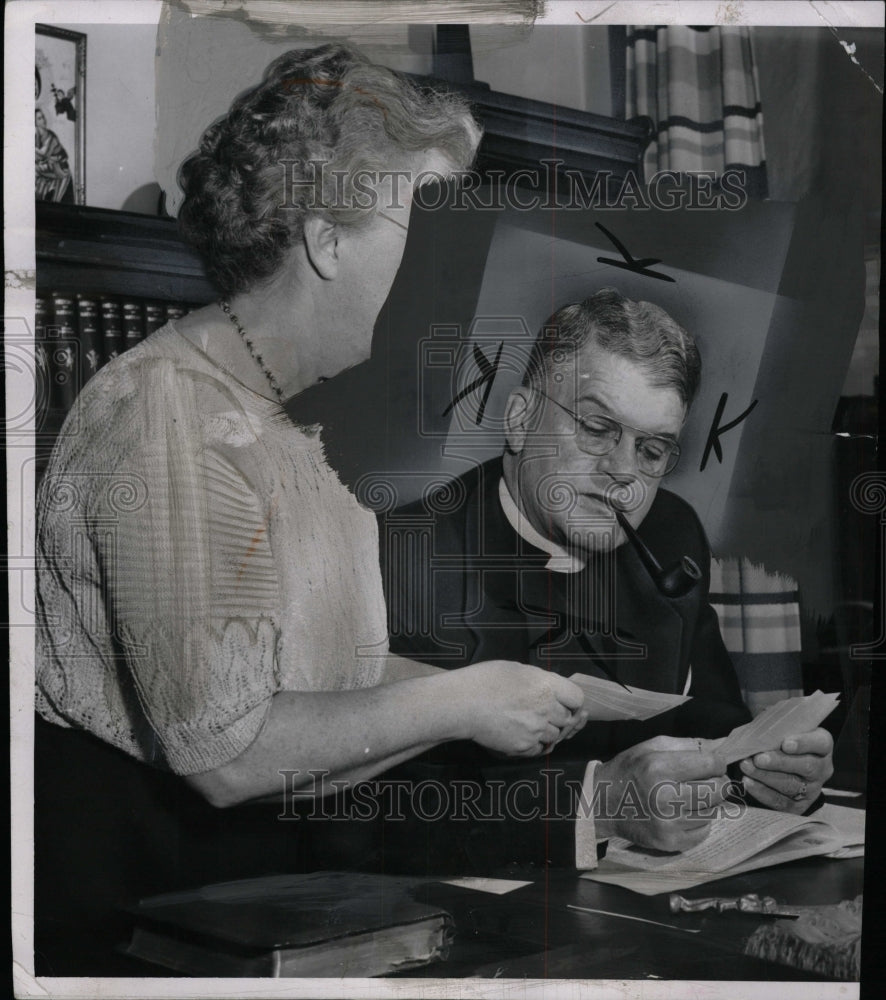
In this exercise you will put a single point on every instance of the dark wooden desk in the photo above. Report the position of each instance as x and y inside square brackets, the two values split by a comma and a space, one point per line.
[530, 932]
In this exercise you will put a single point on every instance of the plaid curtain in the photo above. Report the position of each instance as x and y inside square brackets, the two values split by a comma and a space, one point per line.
[699, 88]
[759, 616]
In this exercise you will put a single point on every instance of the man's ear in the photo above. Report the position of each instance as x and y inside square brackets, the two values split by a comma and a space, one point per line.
[517, 416]
[322, 245]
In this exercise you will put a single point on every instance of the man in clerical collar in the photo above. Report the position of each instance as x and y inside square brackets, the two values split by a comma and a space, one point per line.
[567, 553]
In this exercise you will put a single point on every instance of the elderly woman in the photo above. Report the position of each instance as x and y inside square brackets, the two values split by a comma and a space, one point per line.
[209, 595]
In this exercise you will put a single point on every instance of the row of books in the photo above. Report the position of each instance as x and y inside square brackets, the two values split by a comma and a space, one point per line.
[76, 335]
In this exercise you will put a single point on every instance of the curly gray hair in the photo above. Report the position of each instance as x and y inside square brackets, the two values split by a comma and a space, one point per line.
[254, 178]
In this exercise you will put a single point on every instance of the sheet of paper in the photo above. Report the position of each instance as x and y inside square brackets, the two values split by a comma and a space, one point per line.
[497, 886]
[847, 852]
[785, 718]
[759, 838]
[732, 840]
[608, 701]
[801, 844]
[847, 821]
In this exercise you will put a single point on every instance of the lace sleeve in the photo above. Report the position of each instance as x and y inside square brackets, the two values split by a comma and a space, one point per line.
[175, 597]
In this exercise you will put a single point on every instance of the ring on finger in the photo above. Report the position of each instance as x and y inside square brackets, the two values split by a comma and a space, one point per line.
[801, 793]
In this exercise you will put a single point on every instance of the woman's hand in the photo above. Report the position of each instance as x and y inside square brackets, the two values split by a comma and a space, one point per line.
[353, 735]
[517, 709]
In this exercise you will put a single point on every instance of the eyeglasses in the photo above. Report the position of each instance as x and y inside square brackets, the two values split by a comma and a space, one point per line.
[599, 435]
[389, 219]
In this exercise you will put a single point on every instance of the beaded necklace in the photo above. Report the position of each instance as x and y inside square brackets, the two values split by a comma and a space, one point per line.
[225, 307]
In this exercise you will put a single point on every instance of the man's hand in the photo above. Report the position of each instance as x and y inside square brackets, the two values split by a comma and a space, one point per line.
[790, 779]
[660, 794]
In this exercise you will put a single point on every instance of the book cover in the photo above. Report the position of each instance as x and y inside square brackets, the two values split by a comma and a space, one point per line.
[320, 924]
[133, 323]
[154, 317]
[42, 372]
[90, 336]
[64, 355]
[175, 310]
[112, 328]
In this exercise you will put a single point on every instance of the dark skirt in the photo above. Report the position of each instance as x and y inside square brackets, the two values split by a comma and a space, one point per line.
[109, 830]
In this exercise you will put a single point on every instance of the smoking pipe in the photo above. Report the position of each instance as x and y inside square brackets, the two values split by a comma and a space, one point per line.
[676, 580]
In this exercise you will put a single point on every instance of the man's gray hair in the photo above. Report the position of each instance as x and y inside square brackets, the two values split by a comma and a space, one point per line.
[639, 331]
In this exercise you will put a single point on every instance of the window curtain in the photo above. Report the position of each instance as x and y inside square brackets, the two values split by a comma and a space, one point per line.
[759, 616]
[698, 87]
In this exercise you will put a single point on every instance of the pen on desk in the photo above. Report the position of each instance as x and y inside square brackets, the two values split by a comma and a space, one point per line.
[625, 916]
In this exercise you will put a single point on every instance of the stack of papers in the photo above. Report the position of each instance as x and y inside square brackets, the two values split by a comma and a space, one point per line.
[739, 841]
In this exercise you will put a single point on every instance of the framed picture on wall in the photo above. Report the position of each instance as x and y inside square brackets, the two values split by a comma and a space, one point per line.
[59, 115]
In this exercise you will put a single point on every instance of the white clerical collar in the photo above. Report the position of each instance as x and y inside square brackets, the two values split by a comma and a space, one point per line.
[562, 560]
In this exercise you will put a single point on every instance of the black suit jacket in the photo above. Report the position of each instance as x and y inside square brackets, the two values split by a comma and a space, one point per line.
[463, 587]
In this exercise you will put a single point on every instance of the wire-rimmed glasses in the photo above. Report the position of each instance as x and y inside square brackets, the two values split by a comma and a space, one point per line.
[597, 434]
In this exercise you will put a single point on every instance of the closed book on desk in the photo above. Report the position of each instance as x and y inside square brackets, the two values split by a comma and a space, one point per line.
[321, 924]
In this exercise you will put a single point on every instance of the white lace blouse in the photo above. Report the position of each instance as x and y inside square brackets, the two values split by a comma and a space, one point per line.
[196, 554]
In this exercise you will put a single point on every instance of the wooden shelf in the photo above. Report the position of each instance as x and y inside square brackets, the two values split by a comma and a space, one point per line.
[101, 251]
[519, 134]
[82, 249]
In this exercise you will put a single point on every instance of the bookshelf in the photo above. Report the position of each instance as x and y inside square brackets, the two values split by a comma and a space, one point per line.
[104, 280]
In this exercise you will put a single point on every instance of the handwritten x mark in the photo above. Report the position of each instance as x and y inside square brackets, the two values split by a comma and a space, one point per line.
[487, 374]
[628, 262]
